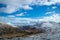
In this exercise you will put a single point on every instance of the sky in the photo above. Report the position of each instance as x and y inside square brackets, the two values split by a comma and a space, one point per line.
[25, 11]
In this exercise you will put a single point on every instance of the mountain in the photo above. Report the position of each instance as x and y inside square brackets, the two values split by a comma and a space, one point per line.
[8, 31]
[45, 30]
[52, 30]
[47, 24]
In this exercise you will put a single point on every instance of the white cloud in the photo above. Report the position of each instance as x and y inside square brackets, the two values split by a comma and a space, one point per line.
[21, 14]
[18, 21]
[54, 17]
[27, 7]
[50, 12]
[14, 5]
[4, 19]
[11, 16]
[54, 7]
[23, 20]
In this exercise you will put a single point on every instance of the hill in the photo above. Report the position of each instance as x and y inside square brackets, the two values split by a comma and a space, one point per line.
[7, 31]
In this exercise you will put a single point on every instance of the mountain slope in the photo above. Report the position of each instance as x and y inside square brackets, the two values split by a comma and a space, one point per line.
[52, 30]
[8, 31]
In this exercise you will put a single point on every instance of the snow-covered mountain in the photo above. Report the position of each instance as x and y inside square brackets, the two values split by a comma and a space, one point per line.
[52, 30]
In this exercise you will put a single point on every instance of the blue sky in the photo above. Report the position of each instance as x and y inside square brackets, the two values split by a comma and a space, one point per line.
[30, 9]
[37, 11]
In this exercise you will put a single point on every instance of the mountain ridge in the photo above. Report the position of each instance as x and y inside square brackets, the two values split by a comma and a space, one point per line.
[8, 31]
